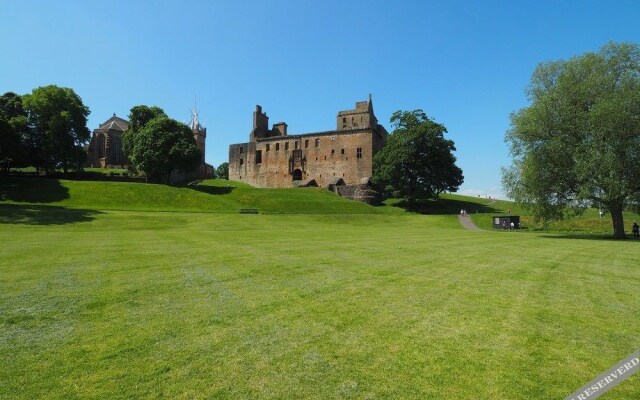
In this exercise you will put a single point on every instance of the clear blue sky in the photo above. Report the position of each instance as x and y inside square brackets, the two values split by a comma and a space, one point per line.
[465, 63]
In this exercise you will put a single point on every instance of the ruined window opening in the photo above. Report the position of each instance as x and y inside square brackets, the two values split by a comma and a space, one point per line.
[286, 146]
[359, 152]
[268, 146]
[277, 146]
[342, 151]
[258, 156]
[333, 152]
[306, 144]
[317, 142]
[297, 145]
[325, 158]
[241, 149]
[241, 162]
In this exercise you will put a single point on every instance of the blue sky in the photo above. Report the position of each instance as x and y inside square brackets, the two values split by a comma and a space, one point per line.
[465, 63]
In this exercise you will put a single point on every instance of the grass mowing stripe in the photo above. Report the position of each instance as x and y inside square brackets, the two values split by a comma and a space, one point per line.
[156, 305]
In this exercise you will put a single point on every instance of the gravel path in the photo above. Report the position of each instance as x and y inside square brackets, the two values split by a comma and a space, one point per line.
[467, 223]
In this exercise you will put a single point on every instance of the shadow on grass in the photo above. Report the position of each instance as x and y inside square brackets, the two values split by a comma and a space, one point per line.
[19, 214]
[32, 190]
[444, 206]
[213, 190]
[588, 236]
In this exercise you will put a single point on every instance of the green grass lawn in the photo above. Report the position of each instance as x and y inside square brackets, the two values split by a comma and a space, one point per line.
[98, 302]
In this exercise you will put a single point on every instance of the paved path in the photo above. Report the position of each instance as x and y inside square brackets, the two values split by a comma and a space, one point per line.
[467, 223]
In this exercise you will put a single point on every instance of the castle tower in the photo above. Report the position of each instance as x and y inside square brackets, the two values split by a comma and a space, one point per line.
[260, 124]
[362, 117]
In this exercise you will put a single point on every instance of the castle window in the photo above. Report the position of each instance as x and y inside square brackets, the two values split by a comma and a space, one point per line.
[306, 144]
[297, 144]
[241, 162]
[286, 146]
[333, 152]
[359, 152]
[241, 148]
[342, 151]
[317, 142]
[277, 146]
[258, 156]
[268, 146]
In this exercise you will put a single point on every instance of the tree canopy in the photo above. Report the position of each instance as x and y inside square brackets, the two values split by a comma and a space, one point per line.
[416, 161]
[222, 172]
[12, 128]
[578, 142]
[56, 128]
[157, 145]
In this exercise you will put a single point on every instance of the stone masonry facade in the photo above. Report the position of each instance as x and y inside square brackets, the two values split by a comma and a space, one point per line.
[273, 158]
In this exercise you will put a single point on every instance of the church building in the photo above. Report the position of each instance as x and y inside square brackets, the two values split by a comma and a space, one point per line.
[273, 158]
[106, 151]
[105, 148]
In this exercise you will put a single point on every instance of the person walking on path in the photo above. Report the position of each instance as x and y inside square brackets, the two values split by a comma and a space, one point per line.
[636, 230]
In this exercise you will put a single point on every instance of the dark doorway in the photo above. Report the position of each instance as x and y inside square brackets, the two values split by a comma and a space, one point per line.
[297, 175]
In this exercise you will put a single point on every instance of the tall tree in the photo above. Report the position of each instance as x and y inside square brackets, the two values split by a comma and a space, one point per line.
[417, 161]
[56, 127]
[12, 127]
[157, 145]
[578, 142]
[222, 172]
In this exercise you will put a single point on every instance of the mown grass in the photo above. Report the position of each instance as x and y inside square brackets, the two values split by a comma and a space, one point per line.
[120, 290]
[183, 305]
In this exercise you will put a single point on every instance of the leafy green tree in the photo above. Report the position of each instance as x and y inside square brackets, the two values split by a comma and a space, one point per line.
[416, 161]
[56, 127]
[12, 127]
[157, 145]
[578, 142]
[141, 115]
[222, 172]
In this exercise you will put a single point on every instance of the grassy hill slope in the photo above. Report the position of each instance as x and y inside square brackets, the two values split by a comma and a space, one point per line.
[222, 196]
[219, 196]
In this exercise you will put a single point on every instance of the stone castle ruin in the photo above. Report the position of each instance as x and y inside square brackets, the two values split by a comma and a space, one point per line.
[331, 159]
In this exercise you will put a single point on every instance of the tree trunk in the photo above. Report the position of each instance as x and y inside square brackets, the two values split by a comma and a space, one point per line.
[618, 222]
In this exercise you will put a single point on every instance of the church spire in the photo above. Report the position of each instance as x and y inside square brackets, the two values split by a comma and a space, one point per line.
[195, 124]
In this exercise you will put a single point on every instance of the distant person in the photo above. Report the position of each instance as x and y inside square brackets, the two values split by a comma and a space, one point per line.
[636, 230]
[513, 226]
[504, 224]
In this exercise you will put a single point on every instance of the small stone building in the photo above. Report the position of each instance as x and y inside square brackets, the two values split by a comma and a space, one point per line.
[273, 158]
[105, 148]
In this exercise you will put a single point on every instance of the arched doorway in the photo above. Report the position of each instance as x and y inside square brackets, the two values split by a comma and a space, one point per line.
[297, 174]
